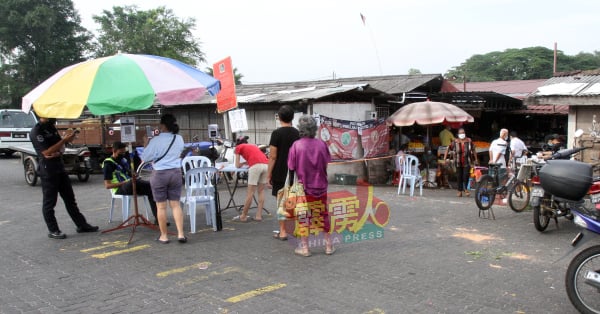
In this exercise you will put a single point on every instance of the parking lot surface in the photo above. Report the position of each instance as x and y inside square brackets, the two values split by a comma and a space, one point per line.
[436, 256]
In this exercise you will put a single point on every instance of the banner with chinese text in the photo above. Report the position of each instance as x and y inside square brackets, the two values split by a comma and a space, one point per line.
[226, 98]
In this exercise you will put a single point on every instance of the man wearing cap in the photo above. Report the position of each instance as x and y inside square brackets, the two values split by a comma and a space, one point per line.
[117, 176]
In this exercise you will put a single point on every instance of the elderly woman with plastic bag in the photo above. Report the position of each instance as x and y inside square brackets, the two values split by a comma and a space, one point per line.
[309, 157]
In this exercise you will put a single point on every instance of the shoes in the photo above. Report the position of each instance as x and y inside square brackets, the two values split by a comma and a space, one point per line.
[258, 220]
[330, 251]
[182, 240]
[162, 241]
[467, 193]
[459, 194]
[302, 252]
[57, 235]
[87, 228]
[278, 237]
[239, 218]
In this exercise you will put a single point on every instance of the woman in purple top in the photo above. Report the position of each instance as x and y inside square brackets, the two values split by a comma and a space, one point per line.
[309, 157]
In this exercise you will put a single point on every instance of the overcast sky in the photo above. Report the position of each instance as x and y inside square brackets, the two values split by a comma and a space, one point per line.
[281, 41]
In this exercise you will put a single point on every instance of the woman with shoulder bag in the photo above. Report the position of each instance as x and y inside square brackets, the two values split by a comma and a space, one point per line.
[164, 151]
[464, 157]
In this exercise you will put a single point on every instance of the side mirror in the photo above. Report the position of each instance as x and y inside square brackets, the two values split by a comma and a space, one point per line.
[578, 133]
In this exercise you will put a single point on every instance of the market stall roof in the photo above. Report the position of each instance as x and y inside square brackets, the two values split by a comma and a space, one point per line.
[516, 88]
[484, 101]
[579, 88]
[385, 86]
[556, 110]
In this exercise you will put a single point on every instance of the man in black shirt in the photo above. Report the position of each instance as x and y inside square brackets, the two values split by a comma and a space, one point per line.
[279, 147]
[117, 176]
[49, 147]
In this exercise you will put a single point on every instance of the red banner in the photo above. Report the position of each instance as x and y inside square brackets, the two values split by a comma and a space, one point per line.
[341, 142]
[226, 98]
[375, 140]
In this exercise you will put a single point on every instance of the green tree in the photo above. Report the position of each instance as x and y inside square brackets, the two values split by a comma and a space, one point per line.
[156, 32]
[521, 64]
[37, 38]
[237, 76]
[412, 71]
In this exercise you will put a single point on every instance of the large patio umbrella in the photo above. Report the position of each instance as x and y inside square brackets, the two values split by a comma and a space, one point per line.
[429, 113]
[117, 84]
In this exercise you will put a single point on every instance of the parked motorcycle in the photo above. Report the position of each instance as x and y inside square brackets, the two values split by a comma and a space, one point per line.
[76, 160]
[546, 187]
[582, 280]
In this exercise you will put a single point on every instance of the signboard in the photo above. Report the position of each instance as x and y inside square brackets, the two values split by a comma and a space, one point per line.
[226, 98]
[128, 129]
[374, 139]
[237, 120]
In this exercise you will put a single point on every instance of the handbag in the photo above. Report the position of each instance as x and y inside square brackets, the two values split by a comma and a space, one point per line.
[290, 196]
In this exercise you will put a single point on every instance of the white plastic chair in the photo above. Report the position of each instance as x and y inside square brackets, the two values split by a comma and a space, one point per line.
[191, 162]
[199, 190]
[126, 204]
[410, 171]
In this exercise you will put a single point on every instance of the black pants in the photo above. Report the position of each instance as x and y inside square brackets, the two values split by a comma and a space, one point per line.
[142, 188]
[462, 176]
[52, 186]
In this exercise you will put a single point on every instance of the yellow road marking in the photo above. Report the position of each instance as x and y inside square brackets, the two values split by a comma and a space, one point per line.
[105, 245]
[196, 279]
[113, 253]
[375, 311]
[255, 292]
[182, 269]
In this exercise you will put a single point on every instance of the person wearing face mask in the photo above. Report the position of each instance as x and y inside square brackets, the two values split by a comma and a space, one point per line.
[464, 158]
[49, 146]
[117, 176]
[498, 149]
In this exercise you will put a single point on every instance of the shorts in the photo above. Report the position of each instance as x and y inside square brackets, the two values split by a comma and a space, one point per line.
[166, 184]
[258, 174]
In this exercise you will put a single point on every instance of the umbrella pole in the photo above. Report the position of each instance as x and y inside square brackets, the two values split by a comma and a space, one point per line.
[136, 219]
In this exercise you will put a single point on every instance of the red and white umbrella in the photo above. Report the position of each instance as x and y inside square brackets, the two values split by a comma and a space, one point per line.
[428, 113]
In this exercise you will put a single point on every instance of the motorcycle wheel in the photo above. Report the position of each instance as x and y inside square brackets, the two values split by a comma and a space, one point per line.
[31, 175]
[540, 220]
[518, 197]
[83, 176]
[485, 192]
[583, 295]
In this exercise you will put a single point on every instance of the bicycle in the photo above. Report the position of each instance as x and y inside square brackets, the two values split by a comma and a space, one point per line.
[503, 184]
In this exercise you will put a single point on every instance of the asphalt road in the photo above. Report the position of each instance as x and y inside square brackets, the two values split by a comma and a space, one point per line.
[436, 256]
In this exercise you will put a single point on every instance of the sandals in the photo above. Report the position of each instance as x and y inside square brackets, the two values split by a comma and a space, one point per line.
[239, 218]
[330, 251]
[302, 252]
[278, 237]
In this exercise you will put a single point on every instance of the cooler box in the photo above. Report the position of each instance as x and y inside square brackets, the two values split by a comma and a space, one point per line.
[566, 178]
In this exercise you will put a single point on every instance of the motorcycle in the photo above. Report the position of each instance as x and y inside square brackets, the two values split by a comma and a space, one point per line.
[545, 204]
[76, 160]
[582, 280]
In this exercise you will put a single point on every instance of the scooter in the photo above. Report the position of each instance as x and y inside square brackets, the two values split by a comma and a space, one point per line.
[545, 204]
[582, 280]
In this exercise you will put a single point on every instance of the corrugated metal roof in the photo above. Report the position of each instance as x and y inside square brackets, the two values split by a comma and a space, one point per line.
[516, 88]
[294, 91]
[579, 88]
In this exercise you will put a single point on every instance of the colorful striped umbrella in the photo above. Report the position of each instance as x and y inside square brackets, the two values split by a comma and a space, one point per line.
[117, 84]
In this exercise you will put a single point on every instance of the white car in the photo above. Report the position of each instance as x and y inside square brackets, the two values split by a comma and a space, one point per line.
[15, 126]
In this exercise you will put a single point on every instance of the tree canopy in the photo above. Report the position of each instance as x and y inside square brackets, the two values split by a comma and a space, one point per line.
[521, 64]
[156, 32]
[37, 38]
